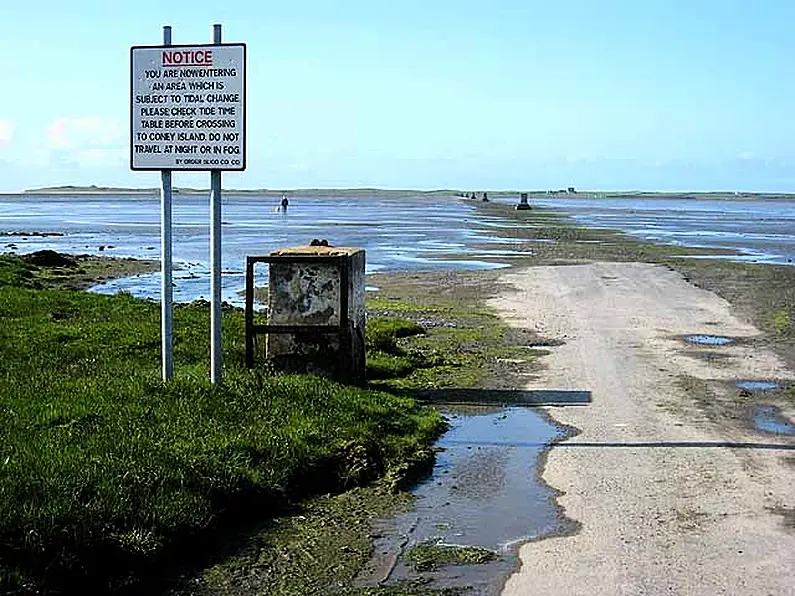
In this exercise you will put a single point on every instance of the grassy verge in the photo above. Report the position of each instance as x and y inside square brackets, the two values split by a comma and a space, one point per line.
[385, 358]
[464, 350]
[762, 294]
[108, 477]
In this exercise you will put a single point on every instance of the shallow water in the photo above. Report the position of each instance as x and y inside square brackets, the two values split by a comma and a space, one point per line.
[485, 490]
[763, 229]
[769, 420]
[398, 233]
[403, 232]
[757, 385]
[708, 340]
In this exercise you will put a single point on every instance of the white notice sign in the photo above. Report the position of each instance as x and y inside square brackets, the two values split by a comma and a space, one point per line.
[188, 109]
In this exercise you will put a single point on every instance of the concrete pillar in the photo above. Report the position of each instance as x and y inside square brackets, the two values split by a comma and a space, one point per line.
[318, 291]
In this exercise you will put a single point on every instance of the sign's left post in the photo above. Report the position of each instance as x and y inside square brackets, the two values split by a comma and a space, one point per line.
[166, 286]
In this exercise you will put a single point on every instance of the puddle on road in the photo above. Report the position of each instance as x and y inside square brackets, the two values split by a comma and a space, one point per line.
[485, 491]
[708, 340]
[756, 385]
[769, 420]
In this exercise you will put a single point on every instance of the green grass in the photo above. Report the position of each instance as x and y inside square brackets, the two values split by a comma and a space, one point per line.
[763, 293]
[467, 351]
[428, 556]
[386, 358]
[108, 475]
[383, 332]
[781, 323]
[13, 272]
[381, 366]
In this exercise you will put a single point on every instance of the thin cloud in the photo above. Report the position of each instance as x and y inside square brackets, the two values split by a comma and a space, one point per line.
[83, 133]
[97, 157]
[86, 142]
[6, 132]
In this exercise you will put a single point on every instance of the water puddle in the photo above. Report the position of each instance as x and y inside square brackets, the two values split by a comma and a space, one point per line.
[708, 340]
[484, 491]
[768, 419]
[756, 385]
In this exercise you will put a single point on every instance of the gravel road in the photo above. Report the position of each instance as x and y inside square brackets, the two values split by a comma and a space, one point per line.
[671, 499]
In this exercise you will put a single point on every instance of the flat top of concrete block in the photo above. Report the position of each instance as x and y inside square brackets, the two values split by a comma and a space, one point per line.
[320, 251]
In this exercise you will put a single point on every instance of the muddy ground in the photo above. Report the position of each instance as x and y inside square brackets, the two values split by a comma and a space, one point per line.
[80, 272]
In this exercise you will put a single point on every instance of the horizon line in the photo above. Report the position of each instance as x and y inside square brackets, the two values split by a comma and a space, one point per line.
[98, 188]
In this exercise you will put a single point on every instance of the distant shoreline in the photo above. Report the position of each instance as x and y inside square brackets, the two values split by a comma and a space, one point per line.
[353, 192]
[369, 192]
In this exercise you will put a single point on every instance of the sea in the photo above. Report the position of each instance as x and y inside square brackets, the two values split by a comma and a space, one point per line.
[761, 228]
[399, 231]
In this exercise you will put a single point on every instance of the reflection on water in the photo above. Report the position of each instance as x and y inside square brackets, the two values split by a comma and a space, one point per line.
[768, 419]
[709, 340]
[485, 490]
[409, 231]
[398, 233]
[756, 385]
[762, 228]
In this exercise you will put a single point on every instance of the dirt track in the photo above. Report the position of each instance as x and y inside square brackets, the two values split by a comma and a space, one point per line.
[670, 499]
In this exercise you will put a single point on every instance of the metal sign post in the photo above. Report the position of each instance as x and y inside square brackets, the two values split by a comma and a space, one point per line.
[166, 288]
[216, 363]
[187, 112]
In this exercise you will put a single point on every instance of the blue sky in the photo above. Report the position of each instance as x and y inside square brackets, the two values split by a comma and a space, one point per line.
[425, 94]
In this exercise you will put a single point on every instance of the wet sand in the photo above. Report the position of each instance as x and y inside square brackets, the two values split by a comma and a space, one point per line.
[671, 500]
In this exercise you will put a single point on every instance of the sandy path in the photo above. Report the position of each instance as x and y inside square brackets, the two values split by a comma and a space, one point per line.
[679, 516]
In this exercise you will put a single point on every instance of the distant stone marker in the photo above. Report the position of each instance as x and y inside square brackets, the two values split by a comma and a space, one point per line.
[523, 204]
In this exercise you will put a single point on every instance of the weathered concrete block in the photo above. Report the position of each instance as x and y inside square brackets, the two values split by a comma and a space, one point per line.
[312, 286]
